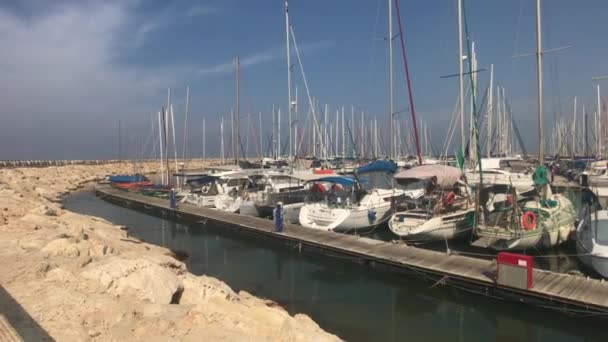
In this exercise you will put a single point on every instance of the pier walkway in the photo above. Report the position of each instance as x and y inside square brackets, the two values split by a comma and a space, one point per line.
[564, 292]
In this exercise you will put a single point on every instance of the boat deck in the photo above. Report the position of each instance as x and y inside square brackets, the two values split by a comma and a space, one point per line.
[572, 293]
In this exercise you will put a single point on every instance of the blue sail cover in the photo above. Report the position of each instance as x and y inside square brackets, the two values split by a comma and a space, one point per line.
[346, 181]
[378, 165]
[199, 181]
[127, 178]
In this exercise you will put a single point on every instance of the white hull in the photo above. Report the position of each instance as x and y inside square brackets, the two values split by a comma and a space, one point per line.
[248, 208]
[291, 212]
[437, 228]
[200, 200]
[552, 232]
[320, 216]
[591, 252]
[227, 203]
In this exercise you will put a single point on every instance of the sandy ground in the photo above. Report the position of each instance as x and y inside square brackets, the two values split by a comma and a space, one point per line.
[82, 278]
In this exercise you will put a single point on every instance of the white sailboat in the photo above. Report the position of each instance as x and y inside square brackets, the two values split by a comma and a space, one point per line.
[592, 241]
[445, 211]
[353, 204]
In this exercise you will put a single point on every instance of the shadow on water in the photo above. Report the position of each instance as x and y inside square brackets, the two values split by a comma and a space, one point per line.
[22, 322]
[355, 302]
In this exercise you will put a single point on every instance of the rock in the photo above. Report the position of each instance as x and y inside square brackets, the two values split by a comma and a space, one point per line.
[203, 288]
[61, 247]
[141, 278]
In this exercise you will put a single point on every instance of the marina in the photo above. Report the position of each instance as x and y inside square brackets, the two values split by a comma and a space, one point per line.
[294, 171]
[563, 292]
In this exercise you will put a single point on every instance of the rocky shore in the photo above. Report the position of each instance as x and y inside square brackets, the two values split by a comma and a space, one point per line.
[82, 278]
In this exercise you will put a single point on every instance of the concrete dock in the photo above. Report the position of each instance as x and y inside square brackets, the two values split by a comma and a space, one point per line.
[573, 294]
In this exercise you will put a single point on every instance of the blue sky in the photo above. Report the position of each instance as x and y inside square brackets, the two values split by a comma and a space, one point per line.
[71, 69]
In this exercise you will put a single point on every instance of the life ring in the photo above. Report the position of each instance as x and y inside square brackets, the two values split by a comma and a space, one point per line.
[450, 198]
[528, 221]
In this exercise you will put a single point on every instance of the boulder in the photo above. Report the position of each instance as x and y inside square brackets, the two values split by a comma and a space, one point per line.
[61, 247]
[140, 278]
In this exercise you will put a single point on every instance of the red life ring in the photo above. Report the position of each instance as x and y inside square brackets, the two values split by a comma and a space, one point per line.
[450, 198]
[528, 221]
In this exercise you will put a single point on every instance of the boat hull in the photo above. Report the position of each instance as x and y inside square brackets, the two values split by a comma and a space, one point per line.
[438, 228]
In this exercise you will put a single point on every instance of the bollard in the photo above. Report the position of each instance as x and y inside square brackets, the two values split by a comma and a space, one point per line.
[278, 218]
[172, 199]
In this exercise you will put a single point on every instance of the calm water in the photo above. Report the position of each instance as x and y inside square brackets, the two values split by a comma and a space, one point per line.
[352, 301]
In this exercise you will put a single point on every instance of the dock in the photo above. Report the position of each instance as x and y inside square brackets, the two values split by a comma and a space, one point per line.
[573, 294]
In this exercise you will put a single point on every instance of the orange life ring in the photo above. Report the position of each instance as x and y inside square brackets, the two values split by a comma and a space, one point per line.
[528, 221]
[450, 198]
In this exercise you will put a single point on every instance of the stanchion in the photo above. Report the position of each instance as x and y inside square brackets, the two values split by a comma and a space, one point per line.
[278, 218]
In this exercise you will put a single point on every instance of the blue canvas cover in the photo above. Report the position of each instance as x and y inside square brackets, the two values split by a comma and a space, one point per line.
[378, 165]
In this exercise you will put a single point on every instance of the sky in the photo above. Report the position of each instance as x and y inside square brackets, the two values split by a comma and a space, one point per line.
[71, 70]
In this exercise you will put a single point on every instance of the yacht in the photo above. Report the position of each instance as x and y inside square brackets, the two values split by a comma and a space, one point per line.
[592, 240]
[353, 204]
[504, 171]
[443, 211]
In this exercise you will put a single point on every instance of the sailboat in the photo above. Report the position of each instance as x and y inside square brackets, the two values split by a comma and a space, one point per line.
[446, 210]
[592, 240]
[354, 204]
[540, 221]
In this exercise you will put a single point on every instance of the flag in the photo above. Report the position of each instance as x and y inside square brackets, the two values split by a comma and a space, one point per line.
[460, 158]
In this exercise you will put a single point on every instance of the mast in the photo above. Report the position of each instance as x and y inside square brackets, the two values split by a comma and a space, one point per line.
[279, 133]
[539, 77]
[261, 137]
[599, 123]
[174, 144]
[222, 153]
[390, 80]
[343, 135]
[574, 137]
[204, 141]
[337, 128]
[375, 137]
[409, 83]
[237, 114]
[352, 130]
[289, 102]
[160, 140]
[490, 111]
[460, 76]
[186, 122]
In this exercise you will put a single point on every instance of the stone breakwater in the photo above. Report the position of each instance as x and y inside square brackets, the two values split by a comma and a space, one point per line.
[82, 278]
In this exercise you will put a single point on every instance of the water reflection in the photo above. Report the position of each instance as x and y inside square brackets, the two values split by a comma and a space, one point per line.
[357, 303]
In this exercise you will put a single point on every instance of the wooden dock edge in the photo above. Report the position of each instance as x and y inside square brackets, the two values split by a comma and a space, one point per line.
[567, 293]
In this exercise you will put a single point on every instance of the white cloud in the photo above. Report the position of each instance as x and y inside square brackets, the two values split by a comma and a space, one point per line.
[265, 56]
[58, 71]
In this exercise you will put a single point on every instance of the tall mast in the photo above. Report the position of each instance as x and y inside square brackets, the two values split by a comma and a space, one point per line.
[599, 123]
[337, 128]
[279, 133]
[222, 153]
[186, 122]
[261, 139]
[460, 75]
[375, 138]
[204, 140]
[539, 78]
[289, 102]
[490, 110]
[237, 114]
[390, 79]
[574, 137]
[160, 140]
[343, 135]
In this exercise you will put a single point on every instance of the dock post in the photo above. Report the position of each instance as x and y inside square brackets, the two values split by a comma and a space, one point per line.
[172, 199]
[278, 218]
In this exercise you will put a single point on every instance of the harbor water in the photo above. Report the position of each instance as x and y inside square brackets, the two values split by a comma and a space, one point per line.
[355, 302]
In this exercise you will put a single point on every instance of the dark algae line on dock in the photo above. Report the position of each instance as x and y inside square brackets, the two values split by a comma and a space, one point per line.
[570, 293]
[356, 302]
